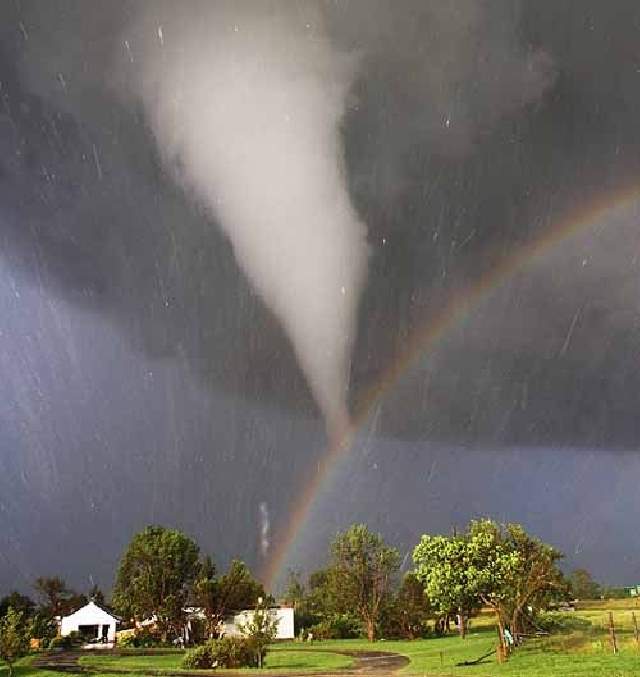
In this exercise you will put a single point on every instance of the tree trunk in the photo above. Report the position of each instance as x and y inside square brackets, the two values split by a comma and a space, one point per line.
[10, 665]
[516, 625]
[371, 630]
[462, 624]
[503, 653]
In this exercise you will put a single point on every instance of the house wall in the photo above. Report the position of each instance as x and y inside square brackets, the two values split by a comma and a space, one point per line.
[285, 628]
[89, 615]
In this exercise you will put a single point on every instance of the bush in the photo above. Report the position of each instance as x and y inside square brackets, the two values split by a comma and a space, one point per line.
[127, 641]
[73, 639]
[555, 621]
[146, 638]
[339, 626]
[60, 643]
[200, 658]
[228, 652]
[235, 652]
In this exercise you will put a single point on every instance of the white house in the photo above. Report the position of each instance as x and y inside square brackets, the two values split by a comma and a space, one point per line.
[284, 616]
[91, 622]
[231, 624]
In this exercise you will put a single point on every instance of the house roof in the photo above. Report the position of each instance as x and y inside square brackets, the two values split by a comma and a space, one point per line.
[92, 614]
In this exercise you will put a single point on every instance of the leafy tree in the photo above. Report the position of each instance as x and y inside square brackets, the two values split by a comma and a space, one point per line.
[499, 566]
[14, 640]
[406, 615]
[296, 595]
[321, 599]
[57, 598]
[97, 596]
[361, 574]
[535, 576]
[17, 602]
[204, 594]
[238, 589]
[259, 631]
[54, 594]
[583, 586]
[155, 575]
[218, 596]
[442, 568]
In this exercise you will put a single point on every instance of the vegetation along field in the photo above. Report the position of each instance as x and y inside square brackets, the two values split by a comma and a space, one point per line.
[485, 602]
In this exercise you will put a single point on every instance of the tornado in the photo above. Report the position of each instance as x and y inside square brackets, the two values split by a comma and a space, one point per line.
[246, 102]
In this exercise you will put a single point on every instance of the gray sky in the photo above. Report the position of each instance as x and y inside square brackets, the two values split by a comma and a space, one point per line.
[147, 377]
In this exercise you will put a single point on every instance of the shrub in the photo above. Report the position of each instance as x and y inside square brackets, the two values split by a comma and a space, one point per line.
[60, 643]
[200, 658]
[127, 641]
[554, 621]
[228, 652]
[146, 638]
[235, 652]
[339, 626]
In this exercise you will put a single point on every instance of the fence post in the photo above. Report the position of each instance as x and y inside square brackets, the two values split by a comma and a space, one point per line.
[612, 633]
[635, 628]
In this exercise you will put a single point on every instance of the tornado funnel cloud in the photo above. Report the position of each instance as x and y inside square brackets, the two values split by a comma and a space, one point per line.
[246, 105]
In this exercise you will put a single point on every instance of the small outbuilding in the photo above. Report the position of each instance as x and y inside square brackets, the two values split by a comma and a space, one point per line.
[283, 616]
[92, 622]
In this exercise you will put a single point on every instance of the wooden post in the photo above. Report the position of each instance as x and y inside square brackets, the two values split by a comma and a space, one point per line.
[635, 628]
[612, 633]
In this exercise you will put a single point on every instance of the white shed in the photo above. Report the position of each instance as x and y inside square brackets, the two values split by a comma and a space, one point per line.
[90, 621]
[284, 616]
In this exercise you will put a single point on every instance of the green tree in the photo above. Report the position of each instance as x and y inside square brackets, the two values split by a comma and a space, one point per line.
[259, 631]
[17, 602]
[96, 595]
[14, 639]
[406, 615]
[361, 574]
[154, 577]
[54, 594]
[500, 566]
[56, 597]
[218, 596]
[442, 568]
[534, 577]
[238, 589]
[583, 586]
[205, 595]
[296, 595]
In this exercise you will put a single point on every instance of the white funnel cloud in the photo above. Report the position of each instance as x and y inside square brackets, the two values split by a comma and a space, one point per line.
[246, 102]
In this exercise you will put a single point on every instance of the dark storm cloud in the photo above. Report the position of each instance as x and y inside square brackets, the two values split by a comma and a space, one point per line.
[456, 73]
[471, 127]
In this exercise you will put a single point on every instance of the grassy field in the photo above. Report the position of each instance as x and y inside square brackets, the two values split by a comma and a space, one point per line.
[579, 653]
[569, 656]
[280, 658]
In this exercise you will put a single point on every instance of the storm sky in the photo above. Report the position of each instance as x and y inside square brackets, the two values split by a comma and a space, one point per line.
[153, 368]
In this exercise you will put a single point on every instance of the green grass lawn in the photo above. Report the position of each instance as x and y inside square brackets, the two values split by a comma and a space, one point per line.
[23, 668]
[583, 653]
[574, 655]
[280, 659]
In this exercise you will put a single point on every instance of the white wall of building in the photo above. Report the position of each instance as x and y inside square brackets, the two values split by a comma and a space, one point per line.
[284, 615]
[90, 614]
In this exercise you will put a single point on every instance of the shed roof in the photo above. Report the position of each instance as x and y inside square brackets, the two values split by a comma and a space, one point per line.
[92, 614]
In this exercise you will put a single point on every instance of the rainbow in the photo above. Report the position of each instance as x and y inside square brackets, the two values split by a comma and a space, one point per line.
[424, 340]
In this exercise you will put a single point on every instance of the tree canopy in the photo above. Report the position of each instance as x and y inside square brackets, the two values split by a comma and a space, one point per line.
[361, 574]
[14, 638]
[155, 575]
[500, 566]
[218, 596]
[583, 586]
